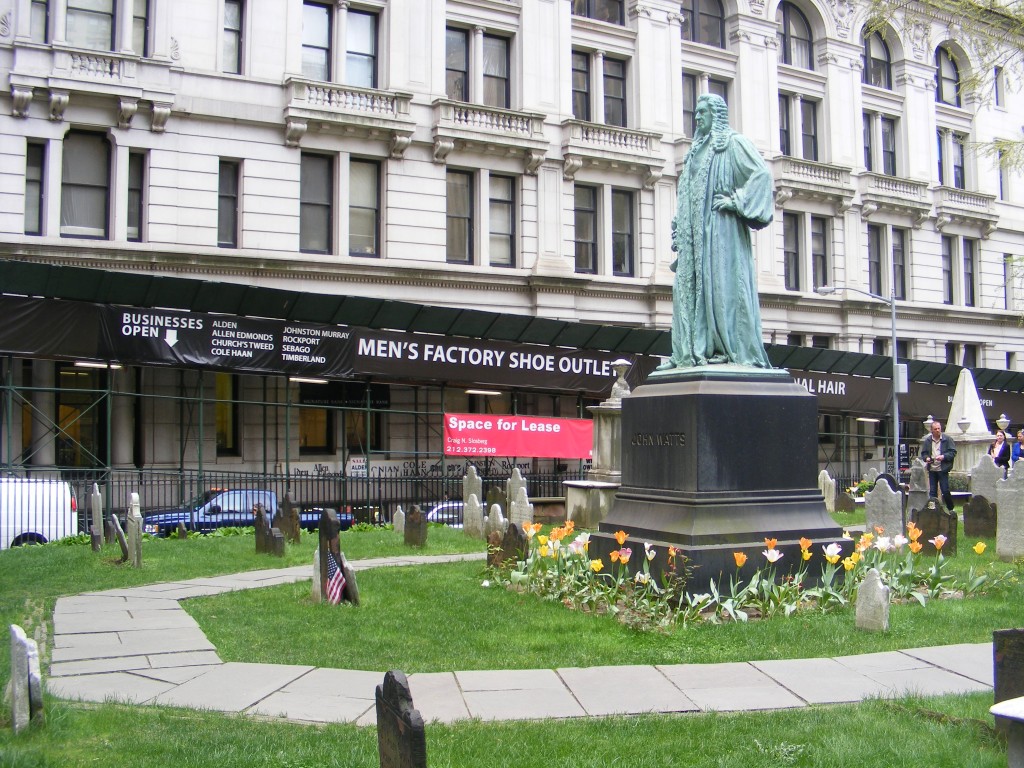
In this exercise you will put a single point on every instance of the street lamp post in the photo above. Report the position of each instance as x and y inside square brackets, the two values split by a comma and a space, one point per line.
[898, 381]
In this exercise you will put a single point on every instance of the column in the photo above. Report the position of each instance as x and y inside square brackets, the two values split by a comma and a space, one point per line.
[476, 66]
[340, 52]
[58, 21]
[597, 87]
[11, 413]
[44, 413]
[122, 427]
[123, 23]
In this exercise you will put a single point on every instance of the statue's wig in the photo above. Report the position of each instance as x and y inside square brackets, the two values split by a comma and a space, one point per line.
[719, 119]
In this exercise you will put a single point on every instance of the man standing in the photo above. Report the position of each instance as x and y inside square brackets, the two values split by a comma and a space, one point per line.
[724, 191]
[937, 451]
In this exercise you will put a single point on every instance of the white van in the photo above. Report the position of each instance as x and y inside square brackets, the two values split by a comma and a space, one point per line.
[35, 511]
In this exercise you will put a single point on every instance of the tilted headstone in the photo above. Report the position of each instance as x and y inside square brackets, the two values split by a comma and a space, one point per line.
[287, 519]
[984, 477]
[109, 532]
[472, 484]
[514, 545]
[134, 524]
[401, 736]
[872, 612]
[917, 496]
[520, 510]
[329, 548]
[935, 520]
[115, 524]
[845, 502]
[473, 517]
[259, 520]
[398, 521]
[980, 518]
[1010, 520]
[276, 542]
[495, 522]
[96, 518]
[883, 508]
[415, 528]
[496, 496]
[317, 589]
[26, 684]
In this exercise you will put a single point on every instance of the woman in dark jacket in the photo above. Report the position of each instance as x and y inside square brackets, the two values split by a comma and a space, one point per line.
[1000, 451]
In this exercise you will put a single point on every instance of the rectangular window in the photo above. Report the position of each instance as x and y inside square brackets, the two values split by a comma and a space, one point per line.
[821, 342]
[899, 263]
[1008, 281]
[136, 195]
[819, 251]
[227, 204]
[809, 129]
[998, 85]
[602, 10]
[90, 24]
[226, 414]
[460, 217]
[941, 154]
[1003, 171]
[615, 92]
[581, 85]
[502, 207]
[791, 250]
[316, 41]
[947, 269]
[39, 21]
[361, 49]
[888, 146]
[496, 68]
[85, 186]
[875, 259]
[689, 104]
[795, 339]
[785, 145]
[456, 64]
[879, 347]
[316, 204]
[140, 27]
[869, 150]
[902, 349]
[622, 233]
[970, 359]
[969, 271]
[364, 208]
[232, 43]
[951, 353]
[35, 167]
[959, 176]
[586, 229]
[316, 430]
[719, 88]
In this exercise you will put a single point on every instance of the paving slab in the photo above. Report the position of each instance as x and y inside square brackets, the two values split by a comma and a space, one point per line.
[113, 686]
[627, 690]
[436, 695]
[927, 682]
[176, 675]
[730, 687]
[94, 604]
[232, 687]
[973, 660]
[113, 644]
[323, 696]
[121, 621]
[822, 681]
[528, 694]
[886, 661]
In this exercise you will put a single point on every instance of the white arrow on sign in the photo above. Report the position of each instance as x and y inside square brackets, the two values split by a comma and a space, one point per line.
[171, 338]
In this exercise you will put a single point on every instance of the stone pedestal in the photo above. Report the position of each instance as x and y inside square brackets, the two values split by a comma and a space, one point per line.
[587, 502]
[714, 460]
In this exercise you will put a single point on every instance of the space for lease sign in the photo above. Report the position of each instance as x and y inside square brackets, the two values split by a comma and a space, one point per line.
[474, 434]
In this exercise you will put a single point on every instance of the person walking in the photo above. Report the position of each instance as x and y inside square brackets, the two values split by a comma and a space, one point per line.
[938, 451]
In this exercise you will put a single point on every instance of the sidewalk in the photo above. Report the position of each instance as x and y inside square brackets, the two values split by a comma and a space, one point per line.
[138, 645]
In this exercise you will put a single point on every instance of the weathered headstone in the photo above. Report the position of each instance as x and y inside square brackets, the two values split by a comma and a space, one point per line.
[259, 520]
[979, 518]
[935, 520]
[845, 502]
[889, 480]
[984, 477]
[329, 552]
[472, 484]
[1010, 520]
[276, 542]
[182, 532]
[512, 486]
[520, 510]
[872, 612]
[917, 496]
[495, 522]
[26, 684]
[96, 518]
[827, 486]
[134, 532]
[287, 519]
[401, 736]
[351, 585]
[495, 496]
[473, 517]
[514, 545]
[1008, 663]
[883, 508]
[115, 524]
[871, 475]
[317, 588]
[415, 527]
[494, 552]
[398, 521]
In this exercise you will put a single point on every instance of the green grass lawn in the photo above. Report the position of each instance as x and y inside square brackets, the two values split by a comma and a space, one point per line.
[440, 617]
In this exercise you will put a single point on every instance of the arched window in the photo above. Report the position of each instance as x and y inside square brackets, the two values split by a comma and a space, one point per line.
[795, 40]
[877, 62]
[947, 78]
[704, 22]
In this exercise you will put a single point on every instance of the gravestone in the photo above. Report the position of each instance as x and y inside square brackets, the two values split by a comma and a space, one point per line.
[115, 524]
[514, 544]
[401, 736]
[872, 612]
[871, 475]
[287, 519]
[109, 532]
[979, 518]
[891, 481]
[495, 522]
[276, 542]
[398, 521]
[917, 496]
[351, 586]
[935, 520]
[473, 517]
[96, 518]
[182, 532]
[26, 684]
[316, 592]
[845, 503]
[512, 486]
[134, 537]
[1010, 520]
[827, 486]
[472, 484]
[984, 477]
[329, 549]
[1008, 663]
[494, 552]
[495, 496]
[520, 510]
[415, 528]
[259, 520]
[883, 508]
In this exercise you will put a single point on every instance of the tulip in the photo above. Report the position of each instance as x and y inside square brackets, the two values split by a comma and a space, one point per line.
[772, 555]
[624, 554]
[938, 541]
[596, 565]
[979, 547]
[805, 554]
[621, 536]
[740, 558]
[805, 543]
[849, 563]
[770, 543]
[915, 546]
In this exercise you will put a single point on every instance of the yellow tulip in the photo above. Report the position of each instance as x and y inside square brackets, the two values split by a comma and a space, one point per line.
[596, 565]
[849, 563]
[979, 547]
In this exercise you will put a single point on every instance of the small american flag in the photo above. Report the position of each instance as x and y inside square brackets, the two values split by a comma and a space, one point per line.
[335, 580]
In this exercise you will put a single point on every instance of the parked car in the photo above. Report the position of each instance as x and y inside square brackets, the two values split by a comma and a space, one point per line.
[447, 513]
[35, 511]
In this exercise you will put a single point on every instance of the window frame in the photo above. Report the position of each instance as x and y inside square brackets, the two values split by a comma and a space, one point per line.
[137, 172]
[899, 249]
[874, 65]
[376, 165]
[695, 11]
[969, 258]
[876, 240]
[67, 186]
[785, 129]
[958, 160]
[948, 255]
[371, 56]
[690, 95]
[468, 217]
[145, 17]
[591, 9]
[590, 212]
[791, 251]
[309, 203]
[820, 257]
[227, 412]
[308, 45]
[888, 148]
[35, 187]
[507, 204]
[621, 100]
[228, 201]
[232, 34]
[449, 36]
[809, 140]
[787, 10]
[82, 10]
[577, 92]
[505, 81]
[329, 433]
[39, 33]
[947, 76]
[623, 237]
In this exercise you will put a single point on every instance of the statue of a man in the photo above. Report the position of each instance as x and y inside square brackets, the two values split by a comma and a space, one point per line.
[724, 191]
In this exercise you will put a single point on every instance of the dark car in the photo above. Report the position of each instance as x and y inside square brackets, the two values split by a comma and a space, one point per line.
[220, 509]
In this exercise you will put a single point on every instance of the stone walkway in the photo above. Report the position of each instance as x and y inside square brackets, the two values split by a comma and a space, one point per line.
[138, 645]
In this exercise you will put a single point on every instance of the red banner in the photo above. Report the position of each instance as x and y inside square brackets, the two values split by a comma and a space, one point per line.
[475, 434]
